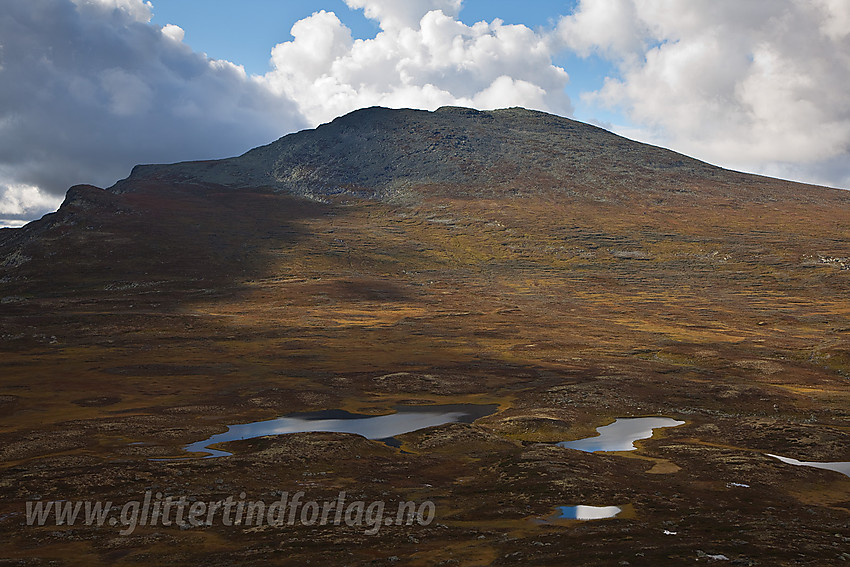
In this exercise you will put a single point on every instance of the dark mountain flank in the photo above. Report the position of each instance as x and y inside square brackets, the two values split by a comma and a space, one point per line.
[390, 257]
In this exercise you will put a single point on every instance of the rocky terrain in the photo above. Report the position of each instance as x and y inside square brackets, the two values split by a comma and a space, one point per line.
[396, 256]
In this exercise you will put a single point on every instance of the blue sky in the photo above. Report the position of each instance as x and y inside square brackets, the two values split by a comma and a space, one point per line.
[245, 32]
[90, 88]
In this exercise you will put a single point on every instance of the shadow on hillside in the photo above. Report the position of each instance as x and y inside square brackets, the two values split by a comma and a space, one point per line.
[164, 240]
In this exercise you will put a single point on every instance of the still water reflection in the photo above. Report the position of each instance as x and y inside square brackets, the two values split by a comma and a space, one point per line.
[382, 427]
[621, 435]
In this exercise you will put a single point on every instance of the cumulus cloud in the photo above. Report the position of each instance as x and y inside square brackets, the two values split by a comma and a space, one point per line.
[758, 85]
[21, 203]
[392, 14]
[608, 26]
[175, 33]
[423, 58]
[89, 88]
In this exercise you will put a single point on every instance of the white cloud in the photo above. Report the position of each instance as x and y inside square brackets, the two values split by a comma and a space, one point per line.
[392, 14]
[610, 26]
[19, 203]
[835, 18]
[435, 61]
[90, 88]
[21, 199]
[506, 92]
[175, 33]
[758, 85]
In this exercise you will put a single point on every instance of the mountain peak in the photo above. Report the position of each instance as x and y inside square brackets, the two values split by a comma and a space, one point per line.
[381, 153]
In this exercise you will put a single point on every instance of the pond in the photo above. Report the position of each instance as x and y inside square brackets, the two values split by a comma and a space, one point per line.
[380, 427]
[582, 512]
[621, 435]
[838, 466]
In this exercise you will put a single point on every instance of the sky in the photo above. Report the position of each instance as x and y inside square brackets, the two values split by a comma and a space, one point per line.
[89, 88]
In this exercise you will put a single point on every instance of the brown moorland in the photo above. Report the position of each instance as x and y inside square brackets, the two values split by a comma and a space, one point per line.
[397, 256]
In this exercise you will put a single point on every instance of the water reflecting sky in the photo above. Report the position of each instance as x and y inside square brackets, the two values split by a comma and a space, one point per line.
[621, 435]
[405, 420]
[588, 512]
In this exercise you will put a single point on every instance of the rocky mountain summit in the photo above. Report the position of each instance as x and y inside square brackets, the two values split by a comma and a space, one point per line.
[381, 152]
[385, 153]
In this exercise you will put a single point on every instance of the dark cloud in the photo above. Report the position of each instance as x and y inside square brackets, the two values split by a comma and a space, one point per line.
[89, 89]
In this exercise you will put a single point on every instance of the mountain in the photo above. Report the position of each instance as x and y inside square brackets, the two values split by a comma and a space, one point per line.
[185, 221]
[388, 154]
[508, 257]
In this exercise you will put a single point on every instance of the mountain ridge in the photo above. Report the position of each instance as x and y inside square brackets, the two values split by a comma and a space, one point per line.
[378, 152]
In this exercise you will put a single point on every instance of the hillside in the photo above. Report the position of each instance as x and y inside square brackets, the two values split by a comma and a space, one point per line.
[390, 257]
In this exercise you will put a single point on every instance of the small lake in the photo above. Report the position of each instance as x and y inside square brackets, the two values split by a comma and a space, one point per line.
[379, 427]
[838, 466]
[587, 512]
[621, 435]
